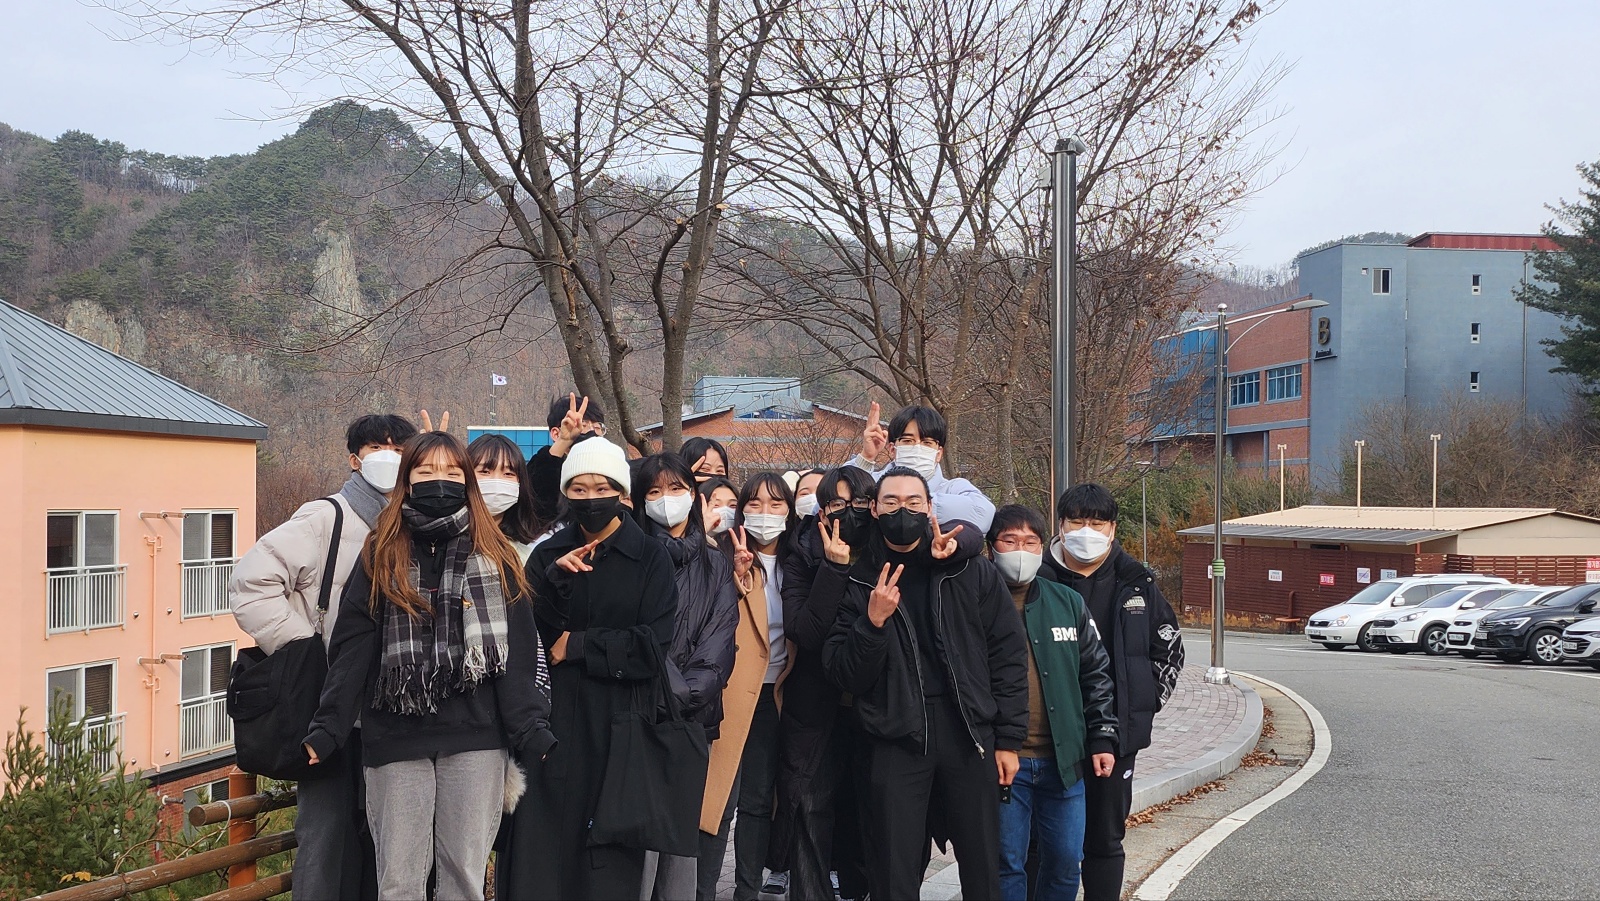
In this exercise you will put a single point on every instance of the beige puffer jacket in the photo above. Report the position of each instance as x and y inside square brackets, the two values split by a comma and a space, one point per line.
[274, 587]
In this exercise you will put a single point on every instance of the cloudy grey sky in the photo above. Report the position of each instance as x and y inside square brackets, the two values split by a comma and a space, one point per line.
[1399, 115]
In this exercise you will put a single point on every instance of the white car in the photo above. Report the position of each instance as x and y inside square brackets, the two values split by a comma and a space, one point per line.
[1580, 643]
[1459, 635]
[1351, 622]
[1424, 625]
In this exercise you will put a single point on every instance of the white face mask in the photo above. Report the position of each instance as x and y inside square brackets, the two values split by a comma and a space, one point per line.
[670, 510]
[1085, 545]
[499, 495]
[805, 506]
[1019, 567]
[724, 521]
[765, 527]
[922, 460]
[381, 469]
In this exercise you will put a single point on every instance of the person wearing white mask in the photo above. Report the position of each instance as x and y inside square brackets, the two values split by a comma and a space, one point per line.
[274, 594]
[1142, 638]
[1072, 721]
[744, 759]
[805, 495]
[667, 507]
[720, 502]
[503, 481]
[916, 435]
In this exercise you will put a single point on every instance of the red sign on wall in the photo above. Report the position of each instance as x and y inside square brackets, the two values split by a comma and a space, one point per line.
[1326, 580]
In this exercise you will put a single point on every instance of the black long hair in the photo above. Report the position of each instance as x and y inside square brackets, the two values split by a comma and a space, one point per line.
[520, 523]
[777, 488]
[650, 471]
[696, 447]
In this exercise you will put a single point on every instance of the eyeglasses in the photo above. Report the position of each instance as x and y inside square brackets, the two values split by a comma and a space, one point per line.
[908, 441]
[1098, 525]
[597, 429]
[859, 503]
[1012, 543]
[916, 504]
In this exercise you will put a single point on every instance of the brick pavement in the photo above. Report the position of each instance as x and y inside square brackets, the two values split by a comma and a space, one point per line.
[1186, 736]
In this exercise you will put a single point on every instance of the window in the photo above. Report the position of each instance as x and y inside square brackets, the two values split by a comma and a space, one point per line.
[207, 561]
[1283, 383]
[1472, 383]
[84, 583]
[203, 723]
[1244, 390]
[201, 794]
[1477, 284]
[1380, 281]
[90, 694]
[1475, 333]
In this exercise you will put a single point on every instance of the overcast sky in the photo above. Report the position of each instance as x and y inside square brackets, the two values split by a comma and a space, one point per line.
[1399, 115]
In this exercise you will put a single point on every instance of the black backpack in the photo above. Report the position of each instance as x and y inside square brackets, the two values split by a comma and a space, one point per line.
[273, 698]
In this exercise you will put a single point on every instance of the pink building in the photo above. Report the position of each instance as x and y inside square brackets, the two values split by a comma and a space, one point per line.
[131, 497]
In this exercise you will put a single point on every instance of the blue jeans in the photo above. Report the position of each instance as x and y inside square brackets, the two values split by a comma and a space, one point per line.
[1041, 807]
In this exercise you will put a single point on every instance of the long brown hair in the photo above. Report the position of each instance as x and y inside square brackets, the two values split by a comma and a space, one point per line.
[387, 553]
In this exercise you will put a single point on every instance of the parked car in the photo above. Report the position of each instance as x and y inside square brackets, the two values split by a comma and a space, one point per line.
[1424, 625]
[1535, 632]
[1580, 643]
[1459, 635]
[1351, 622]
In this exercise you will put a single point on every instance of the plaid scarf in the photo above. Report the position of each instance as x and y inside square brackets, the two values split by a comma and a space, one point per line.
[462, 643]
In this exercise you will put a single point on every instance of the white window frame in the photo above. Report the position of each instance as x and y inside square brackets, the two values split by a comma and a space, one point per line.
[80, 668]
[1298, 374]
[1255, 376]
[203, 722]
[205, 580]
[1477, 283]
[1472, 381]
[210, 514]
[1386, 275]
[84, 588]
[116, 538]
[1477, 331]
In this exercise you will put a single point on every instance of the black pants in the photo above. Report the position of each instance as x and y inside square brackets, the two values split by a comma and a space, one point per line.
[1107, 800]
[758, 776]
[954, 783]
[708, 867]
[827, 836]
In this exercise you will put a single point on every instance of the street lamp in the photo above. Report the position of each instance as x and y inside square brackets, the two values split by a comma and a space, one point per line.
[1282, 450]
[1435, 440]
[1360, 446]
[1144, 506]
[1064, 291]
[1216, 673]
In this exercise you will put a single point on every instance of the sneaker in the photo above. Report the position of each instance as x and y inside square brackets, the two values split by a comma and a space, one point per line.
[776, 884]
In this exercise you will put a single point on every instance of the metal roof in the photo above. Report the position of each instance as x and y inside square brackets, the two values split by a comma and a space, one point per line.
[1235, 529]
[1374, 525]
[51, 377]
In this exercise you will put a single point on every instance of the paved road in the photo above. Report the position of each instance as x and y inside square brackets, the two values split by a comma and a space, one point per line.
[1449, 778]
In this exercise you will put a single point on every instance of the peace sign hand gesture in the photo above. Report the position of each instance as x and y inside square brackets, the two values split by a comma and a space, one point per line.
[885, 597]
[944, 543]
[743, 559]
[573, 561]
[836, 549]
[874, 438]
[427, 421]
[571, 425]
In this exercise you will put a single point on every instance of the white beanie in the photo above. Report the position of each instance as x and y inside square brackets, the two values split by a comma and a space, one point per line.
[597, 456]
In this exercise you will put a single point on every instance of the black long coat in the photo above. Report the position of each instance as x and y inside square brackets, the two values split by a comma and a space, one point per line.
[620, 618]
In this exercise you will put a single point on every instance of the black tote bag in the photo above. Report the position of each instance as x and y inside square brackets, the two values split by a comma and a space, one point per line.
[273, 698]
[655, 777]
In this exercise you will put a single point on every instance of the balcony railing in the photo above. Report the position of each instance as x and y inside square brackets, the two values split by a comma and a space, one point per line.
[205, 587]
[204, 725]
[102, 735]
[85, 598]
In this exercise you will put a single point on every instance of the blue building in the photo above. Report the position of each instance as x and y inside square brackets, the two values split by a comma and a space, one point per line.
[1417, 323]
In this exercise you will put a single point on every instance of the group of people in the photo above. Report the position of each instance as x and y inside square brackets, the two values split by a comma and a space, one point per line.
[879, 659]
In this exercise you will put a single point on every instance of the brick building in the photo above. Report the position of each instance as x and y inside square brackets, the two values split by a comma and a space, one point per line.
[766, 425]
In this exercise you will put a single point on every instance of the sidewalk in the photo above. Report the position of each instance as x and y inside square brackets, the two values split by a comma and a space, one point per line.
[1201, 735]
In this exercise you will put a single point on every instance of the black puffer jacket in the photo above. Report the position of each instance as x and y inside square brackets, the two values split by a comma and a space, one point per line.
[1143, 638]
[985, 656]
[703, 635]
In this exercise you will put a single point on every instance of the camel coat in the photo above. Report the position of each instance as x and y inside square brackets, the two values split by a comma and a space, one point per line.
[739, 698]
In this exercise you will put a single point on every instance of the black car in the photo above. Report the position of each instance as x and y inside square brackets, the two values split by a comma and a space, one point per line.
[1535, 631]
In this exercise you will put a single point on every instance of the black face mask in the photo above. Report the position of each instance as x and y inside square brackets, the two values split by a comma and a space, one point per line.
[853, 525]
[438, 498]
[593, 514]
[903, 527]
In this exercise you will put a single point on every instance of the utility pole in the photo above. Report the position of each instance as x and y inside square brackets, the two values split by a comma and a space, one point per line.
[1144, 516]
[1435, 440]
[1064, 294]
[1216, 673]
[1360, 446]
[1282, 449]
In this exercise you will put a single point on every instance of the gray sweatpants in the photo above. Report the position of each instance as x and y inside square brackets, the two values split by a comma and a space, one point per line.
[668, 877]
[449, 804]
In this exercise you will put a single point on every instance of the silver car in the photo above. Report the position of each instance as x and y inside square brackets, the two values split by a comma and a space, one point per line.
[1459, 636]
[1580, 643]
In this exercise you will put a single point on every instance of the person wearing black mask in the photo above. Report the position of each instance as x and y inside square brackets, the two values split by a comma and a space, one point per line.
[606, 604]
[571, 419]
[436, 651]
[1141, 635]
[934, 653]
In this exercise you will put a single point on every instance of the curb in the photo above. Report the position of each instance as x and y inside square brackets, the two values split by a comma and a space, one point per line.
[1214, 764]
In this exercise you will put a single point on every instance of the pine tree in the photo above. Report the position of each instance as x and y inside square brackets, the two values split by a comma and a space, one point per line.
[1573, 276]
[64, 817]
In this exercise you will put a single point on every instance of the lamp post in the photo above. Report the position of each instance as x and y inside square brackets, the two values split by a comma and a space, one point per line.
[1435, 440]
[1360, 446]
[1064, 292]
[1217, 673]
[1282, 450]
[1144, 518]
